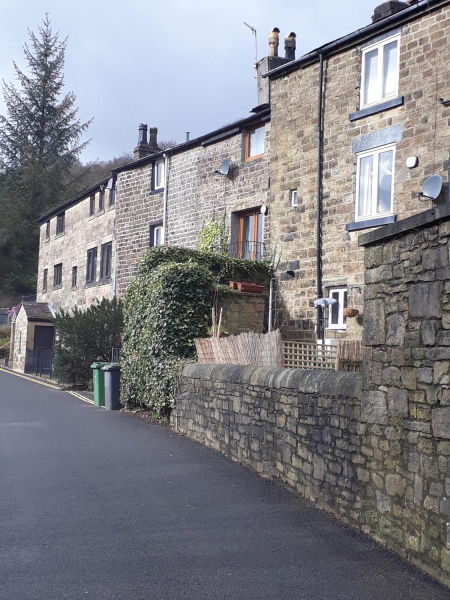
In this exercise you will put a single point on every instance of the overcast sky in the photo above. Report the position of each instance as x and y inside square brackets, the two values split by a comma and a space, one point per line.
[174, 64]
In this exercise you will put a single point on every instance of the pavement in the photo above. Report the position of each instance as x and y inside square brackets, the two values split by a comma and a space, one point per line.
[103, 505]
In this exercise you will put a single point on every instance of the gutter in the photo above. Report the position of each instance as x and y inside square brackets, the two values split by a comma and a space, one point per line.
[362, 34]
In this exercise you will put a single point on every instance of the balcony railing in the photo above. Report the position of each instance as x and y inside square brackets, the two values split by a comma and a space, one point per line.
[247, 250]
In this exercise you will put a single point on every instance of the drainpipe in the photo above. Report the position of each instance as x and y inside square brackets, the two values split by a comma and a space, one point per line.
[115, 259]
[320, 327]
[166, 181]
[270, 303]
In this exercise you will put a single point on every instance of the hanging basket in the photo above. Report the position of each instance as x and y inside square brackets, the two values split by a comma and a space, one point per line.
[351, 312]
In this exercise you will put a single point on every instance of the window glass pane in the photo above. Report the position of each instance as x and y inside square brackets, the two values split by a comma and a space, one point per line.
[371, 77]
[247, 237]
[159, 180]
[390, 75]
[335, 309]
[157, 241]
[384, 181]
[256, 145]
[345, 305]
[365, 186]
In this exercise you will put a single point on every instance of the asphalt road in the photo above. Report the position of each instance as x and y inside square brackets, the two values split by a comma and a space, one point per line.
[98, 504]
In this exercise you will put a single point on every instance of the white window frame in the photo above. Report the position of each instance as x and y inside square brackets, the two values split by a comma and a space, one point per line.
[161, 235]
[341, 324]
[380, 47]
[159, 184]
[375, 152]
[294, 197]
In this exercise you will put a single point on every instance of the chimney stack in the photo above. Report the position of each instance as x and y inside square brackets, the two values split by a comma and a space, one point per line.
[387, 9]
[142, 149]
[289, 46]
[153, 142]
[274, 41]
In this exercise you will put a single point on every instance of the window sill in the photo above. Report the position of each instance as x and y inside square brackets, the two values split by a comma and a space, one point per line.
[368, 223]
[111, 207]
[44, 291]
[157, 191]
[106, 281]
[101, 212]
[57, 287]
[90, 217]
[47, 240]
[373, 110]
[58, 235]
[90, 284]
[250, 158]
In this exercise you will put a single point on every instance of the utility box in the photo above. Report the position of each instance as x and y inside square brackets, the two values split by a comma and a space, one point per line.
[111, 373]
[99, 383]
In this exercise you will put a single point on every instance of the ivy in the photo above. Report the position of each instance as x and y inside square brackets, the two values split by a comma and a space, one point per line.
[167, 306]
[214, 236]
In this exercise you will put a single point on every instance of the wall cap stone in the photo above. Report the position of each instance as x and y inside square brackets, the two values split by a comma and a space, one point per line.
[309, 382]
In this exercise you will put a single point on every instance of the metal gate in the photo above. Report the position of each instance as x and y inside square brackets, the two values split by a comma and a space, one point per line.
[39, 362]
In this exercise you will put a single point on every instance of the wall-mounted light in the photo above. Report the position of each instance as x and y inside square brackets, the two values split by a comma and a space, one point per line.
[412, 162]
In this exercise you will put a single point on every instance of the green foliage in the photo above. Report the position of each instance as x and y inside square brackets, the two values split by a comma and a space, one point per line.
[167, 306]
[214, 236]
[84, 337]
[39, 146]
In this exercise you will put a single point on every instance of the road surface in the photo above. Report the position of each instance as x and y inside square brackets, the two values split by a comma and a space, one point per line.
[98, 504]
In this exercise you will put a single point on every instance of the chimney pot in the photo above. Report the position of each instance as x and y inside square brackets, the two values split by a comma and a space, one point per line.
[187, 135]
[142, 134]
[289, 46]
[387, 9]
[274, 41]
[153, 142]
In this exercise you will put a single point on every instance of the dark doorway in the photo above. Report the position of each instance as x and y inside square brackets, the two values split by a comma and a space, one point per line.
[43, 337]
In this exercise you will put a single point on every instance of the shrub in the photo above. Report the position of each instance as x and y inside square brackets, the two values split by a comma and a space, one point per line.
[167, 306]
[84, 337]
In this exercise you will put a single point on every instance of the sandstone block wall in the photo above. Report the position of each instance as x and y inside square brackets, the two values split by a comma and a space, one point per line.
[406, 382]
[195, 192]
[242, 312]
[82, 232]
[425, 132]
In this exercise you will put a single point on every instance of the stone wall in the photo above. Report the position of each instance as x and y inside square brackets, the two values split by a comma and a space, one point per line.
[242, 312]
[424, 129]
[406, 383]
[82, 232]
[299, 427]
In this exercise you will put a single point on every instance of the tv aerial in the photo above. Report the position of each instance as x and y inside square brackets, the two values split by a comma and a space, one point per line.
[224, 167]
[431, 188]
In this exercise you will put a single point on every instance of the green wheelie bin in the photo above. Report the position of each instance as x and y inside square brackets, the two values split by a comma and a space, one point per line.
[99, 383]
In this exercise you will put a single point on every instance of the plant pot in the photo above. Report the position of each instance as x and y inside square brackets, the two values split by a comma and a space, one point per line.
[233, 285]
[252, 288]
[351, 312]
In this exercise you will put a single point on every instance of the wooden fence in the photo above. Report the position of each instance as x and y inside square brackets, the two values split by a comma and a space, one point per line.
[269, 350]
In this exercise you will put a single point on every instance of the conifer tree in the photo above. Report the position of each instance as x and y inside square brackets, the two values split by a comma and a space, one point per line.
[39, 145]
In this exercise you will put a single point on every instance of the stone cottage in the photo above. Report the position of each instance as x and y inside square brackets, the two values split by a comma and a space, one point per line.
[76, 250]
[357, 125]
[31, 332]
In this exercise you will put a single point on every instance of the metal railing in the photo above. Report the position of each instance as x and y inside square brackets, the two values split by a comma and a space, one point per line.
[115, 355]
[39, 362]
[247, 250]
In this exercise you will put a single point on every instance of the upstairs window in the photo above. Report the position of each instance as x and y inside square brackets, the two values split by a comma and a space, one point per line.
[112, 197]
[294, 198]
[336, 319]
[92, 206]
[60, 224]
[159, 174]
[101, 201]
[45, 280]
[249, 245]
[91, 265]
[254, 142]
[57, 275]
[380, 71]
[47, 230]
[105, 261]
[375, 183]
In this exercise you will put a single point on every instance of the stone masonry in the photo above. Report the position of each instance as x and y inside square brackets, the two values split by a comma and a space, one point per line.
[82, 232]
[421, 125]
[195, 192]
[242, 312]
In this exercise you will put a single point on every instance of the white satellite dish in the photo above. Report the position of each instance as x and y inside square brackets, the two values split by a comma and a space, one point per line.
[324, 301]
[431, 187]
[224, 167]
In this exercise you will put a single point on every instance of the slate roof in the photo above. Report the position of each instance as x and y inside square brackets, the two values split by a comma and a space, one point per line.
[37, 311]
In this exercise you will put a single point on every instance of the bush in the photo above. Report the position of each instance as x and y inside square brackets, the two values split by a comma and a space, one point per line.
[84, 337]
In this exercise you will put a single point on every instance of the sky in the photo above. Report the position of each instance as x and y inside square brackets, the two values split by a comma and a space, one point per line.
[176, 64]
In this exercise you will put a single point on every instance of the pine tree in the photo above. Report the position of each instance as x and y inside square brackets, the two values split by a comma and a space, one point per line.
[39, 146]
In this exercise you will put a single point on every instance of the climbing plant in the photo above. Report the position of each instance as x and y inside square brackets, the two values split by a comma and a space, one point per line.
[167, 306]
[214, 236]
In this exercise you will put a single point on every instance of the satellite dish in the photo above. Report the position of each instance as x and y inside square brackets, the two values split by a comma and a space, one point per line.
[431, 187]
[324, 301]
[224, 167]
